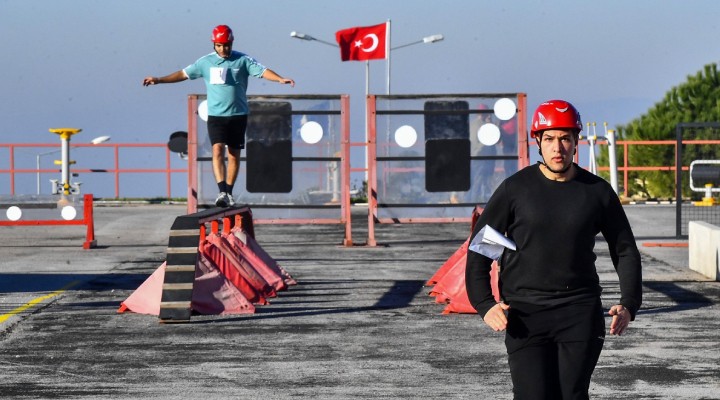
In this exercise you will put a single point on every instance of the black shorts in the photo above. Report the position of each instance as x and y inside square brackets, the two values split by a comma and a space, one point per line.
[228, 130]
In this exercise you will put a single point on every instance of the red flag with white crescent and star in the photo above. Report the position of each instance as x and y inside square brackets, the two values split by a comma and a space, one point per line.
[362, 43]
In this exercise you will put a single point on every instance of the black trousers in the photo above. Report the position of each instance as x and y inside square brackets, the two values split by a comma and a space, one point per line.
[552, 353]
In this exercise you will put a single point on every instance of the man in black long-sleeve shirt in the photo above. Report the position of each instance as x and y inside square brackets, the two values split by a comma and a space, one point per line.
[549, 286]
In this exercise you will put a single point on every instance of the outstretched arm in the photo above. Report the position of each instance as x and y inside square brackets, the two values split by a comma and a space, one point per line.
[273, 76]
[177, 76]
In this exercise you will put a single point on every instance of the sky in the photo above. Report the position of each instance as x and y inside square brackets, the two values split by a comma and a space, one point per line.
[81, 63]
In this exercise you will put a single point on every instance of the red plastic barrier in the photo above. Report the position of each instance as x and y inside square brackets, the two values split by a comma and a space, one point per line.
[459, 253]
[213, 294]
[271, 276]
[231, 272]
[251, 243]
[242, 265]
[450, 283]
[209, 298]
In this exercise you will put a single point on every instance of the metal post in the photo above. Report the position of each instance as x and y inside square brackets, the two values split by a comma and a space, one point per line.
[37, 167]
[65, 134]
[367, 93]
[592, 164]
[678, 180]
[612, 157]
[387, 53]
[65, 163]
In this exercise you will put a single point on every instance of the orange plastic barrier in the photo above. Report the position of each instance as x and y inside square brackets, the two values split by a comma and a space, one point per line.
[242, 265]
[213, 294]
[449, 280]
[449, 283]
[232, 275]
[271, 276]
[231, 272]
[256, 249]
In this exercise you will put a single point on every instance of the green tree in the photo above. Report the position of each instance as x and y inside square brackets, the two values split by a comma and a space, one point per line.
[696, 100]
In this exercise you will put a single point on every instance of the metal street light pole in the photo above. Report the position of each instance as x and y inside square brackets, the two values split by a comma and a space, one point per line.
[427, 39]
[37, 165]
[304, 36]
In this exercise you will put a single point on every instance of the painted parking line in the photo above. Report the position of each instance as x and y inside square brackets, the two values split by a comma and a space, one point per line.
[37, 300]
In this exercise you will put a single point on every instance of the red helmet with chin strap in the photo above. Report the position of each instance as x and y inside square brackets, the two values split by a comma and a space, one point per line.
[222, 34]
[555, 114]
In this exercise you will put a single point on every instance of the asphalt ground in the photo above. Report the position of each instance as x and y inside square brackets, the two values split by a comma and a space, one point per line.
[360, 324]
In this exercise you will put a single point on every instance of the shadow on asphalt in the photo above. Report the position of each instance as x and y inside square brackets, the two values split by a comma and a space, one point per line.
[398, 296]
[50, 282]
[682, 298]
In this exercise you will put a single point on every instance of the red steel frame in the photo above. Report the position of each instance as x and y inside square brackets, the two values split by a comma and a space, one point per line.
[371, 107]
[345, 211]
[88, 221]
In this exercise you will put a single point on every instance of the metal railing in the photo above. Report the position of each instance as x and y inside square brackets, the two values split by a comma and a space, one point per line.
[12, 170]
[626, 168]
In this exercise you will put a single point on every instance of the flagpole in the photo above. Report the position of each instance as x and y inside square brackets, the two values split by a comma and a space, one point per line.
[387, 53]
[387, 81]
[367, 92]
[367, 77]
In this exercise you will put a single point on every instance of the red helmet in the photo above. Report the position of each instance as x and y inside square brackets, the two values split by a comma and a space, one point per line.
[222, 34]
[555, 114]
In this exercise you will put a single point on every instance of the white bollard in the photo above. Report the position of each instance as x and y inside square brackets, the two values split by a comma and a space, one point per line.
[612, 160]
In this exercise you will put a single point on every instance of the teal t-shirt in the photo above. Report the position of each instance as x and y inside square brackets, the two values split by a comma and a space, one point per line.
[226, 80]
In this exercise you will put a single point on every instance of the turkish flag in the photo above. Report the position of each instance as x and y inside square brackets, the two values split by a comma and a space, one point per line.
[362, 42]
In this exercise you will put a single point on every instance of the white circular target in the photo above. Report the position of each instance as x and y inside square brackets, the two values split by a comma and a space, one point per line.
[405, 136]
[504, 109]
[311, 132]
[14, 213]
[488, 134]
[203, 110]
[68, 213]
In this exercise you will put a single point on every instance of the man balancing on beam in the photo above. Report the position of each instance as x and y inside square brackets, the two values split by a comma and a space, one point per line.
[226, 77]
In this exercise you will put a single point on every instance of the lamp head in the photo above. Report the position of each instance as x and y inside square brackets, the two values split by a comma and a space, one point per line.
[433, 38]
[301, 36]
[100, 139]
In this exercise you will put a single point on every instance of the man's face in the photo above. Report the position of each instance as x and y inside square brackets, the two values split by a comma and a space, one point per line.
[223, 49]
[558, 148]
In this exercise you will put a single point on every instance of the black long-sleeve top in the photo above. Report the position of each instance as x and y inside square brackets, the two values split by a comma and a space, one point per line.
[554, 225]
